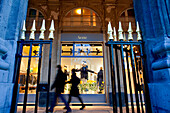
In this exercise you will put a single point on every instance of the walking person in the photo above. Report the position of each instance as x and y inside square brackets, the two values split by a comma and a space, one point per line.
[100, 79]
[59, 86]
[74, 89]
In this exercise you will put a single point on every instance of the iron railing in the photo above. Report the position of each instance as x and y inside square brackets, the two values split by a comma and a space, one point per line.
[128, 80]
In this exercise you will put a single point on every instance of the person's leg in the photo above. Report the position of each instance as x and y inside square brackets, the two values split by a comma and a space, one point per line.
[66, 104]
[53, 102]
[80, 100]
[100, 84]
[69, 99]
[83, 106]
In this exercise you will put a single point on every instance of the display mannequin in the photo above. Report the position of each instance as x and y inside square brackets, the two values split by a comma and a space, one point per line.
[84, 71]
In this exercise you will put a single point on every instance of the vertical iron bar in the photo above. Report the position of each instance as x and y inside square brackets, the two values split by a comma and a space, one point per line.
[129, 78]
[28, 72]
[118, 80]
[146, 88]
[49, 74]
[124, 79]
[38, 78]
[16, 76]
[137, 71]
[113, 79]
[134, 77]
[73, 49]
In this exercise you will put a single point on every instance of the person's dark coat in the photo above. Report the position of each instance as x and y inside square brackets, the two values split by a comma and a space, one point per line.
[100, 75]
[74, 88]
[84, 72]
[59, 82]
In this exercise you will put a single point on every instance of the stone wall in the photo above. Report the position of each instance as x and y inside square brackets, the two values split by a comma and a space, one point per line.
[153, 17]
[12, 14]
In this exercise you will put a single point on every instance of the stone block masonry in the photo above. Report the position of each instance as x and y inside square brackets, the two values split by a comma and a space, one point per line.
[12, 14]
[153, 19]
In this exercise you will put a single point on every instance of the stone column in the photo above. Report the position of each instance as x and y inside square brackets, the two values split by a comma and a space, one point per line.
[153, 17]
[54, 60]
[106, 64]
[45, 56]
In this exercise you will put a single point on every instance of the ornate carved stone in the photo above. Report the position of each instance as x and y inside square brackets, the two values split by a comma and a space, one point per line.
[161, 52]
[3, 54]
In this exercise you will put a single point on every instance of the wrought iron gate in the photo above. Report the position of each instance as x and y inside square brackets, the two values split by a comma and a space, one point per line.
[31, 43]
[129, 85]
[40, 87]
[128, 73]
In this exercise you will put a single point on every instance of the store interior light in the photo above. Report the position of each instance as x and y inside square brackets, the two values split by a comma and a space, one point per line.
[78, 11]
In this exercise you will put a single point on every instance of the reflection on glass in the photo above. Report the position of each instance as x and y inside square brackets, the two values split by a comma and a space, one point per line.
[86, 86]
[94, 19]
[35, 50]
[26, 49]
[81, 17]
[82, 50]
[88, 50]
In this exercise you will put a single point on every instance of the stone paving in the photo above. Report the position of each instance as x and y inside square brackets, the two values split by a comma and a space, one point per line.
[75, 109]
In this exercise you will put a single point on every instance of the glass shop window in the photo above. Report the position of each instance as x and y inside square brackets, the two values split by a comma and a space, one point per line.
[67, 50]
[33, 72]
[81, 50]
[81, 17]
[88, 50]
[86, 86]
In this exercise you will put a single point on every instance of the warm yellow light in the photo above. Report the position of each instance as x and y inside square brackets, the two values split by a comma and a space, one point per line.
[78, 11]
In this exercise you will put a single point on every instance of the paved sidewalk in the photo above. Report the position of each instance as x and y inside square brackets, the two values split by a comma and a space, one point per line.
[75, 109]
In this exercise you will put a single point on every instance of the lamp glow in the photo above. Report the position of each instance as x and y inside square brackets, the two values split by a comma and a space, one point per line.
[78, 11]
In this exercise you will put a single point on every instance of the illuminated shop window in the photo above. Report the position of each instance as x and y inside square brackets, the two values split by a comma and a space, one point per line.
[82, 49]
[75, 55]
[88, 50]
[67, 50]
[81, 17]
[86, 86]
[33, 73]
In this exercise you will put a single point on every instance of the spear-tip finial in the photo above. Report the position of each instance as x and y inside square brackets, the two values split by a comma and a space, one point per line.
[120, 30]
[130, 37]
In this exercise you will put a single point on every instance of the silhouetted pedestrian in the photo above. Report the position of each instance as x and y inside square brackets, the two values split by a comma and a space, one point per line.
[100, 79]
[59, 85]
[74, 89]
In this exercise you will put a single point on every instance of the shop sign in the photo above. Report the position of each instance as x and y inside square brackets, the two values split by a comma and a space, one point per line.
[81, 37]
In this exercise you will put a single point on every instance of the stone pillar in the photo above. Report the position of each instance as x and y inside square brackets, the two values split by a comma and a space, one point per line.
[153, 17]
[45, 56]
[106, 64]
[55, 54]
[12, 14]
[54, 57]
